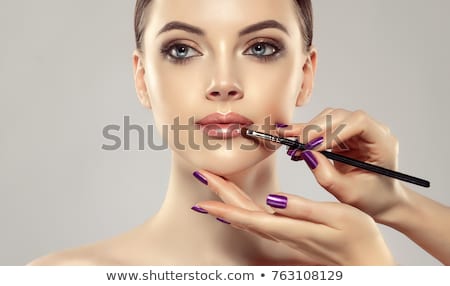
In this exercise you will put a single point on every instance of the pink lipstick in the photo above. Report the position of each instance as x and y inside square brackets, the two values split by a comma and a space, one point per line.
[223, 126]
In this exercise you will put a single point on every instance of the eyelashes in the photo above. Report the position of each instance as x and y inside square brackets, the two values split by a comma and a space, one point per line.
[263, 50]
[179, 53]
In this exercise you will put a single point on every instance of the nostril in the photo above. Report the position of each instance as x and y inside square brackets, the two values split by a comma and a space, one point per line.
[224, 94]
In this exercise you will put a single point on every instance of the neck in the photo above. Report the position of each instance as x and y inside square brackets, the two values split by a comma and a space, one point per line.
[209, 241]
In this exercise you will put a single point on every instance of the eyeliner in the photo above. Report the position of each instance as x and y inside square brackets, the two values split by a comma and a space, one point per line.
[337, 157]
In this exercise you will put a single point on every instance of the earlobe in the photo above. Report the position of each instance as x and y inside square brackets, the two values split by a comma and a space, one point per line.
[139, 80]
[309, 71]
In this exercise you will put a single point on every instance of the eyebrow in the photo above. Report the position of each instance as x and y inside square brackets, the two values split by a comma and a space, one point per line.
[175, 25]
[268, 24]
[263, 25]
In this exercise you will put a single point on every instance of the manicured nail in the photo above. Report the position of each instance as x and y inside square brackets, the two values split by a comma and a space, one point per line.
[222, 220]
[293, 156]
[314, 143]
[199, 210]
[281, 125]
[277, 201]
[296, 158]
[290, 151]
[309, 159]
[200, 177]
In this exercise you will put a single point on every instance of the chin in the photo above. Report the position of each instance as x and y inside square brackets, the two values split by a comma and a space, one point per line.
[225, 162]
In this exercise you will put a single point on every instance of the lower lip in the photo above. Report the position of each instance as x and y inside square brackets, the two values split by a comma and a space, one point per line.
[222, 130]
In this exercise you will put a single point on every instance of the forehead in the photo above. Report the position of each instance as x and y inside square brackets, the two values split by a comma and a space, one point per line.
[222, 15]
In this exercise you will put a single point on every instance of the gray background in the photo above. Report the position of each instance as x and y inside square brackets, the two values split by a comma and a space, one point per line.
[65, 72]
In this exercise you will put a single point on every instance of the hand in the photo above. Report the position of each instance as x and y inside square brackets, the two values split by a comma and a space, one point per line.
[328, 233]
[360, 137]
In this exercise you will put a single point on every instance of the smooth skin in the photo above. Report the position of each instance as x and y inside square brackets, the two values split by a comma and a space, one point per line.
[216, 63]
[220, 61]
[330, 233]
[386, 200]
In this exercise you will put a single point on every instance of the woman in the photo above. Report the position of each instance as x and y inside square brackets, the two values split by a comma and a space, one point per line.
[205, 68]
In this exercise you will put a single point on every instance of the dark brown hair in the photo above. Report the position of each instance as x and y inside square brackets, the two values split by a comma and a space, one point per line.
[304, 11]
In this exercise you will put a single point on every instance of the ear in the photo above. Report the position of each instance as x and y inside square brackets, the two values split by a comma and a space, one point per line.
[309, 71]
[139, 79]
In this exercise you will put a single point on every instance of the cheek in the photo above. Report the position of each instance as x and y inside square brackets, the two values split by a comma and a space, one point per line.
[175, 91]
[178, 91]
[270, 89]
[273, 87]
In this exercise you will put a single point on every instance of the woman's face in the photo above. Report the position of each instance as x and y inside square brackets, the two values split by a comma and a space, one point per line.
[202, 57]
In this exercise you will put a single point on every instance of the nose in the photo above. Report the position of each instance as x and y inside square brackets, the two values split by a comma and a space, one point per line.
[224, 90]
[224, 86]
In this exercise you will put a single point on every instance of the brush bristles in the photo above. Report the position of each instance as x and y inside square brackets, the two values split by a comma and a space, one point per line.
[244, 133]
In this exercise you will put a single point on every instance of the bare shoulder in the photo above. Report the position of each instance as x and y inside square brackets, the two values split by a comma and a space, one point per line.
[82, 256]
[125, 249]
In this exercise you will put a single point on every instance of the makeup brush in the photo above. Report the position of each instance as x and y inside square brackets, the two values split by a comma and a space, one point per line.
[248, 133]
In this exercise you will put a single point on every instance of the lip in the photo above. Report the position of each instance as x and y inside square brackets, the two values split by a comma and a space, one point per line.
[223, 126]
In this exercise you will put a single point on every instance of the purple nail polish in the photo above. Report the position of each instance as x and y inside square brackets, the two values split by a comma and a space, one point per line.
[277, 201]
[200, 177]
[199, 210]
[290, 151]
[296, 158]
[222, 220]
[309, 159]
[314, 143]
[281, 125]
[293, 154]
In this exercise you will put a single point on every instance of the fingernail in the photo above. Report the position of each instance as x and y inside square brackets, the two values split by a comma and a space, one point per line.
[293, 156]
[314, 143]
[277, 201]
[290, 151]
[296, 158]
[200, 177]
[310, 159]
[222, 220]
[281, 125]
[199, 210]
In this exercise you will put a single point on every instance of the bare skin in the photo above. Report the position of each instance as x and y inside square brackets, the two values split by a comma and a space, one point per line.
[386, 200]
[220, 72]
[227, 64]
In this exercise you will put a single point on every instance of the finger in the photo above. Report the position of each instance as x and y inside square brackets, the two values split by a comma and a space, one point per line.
[242, 219]
[311, 240]
[332, 214]
[339, 125]
[357, 124]
[304, 209]
[291, 130]
[322, 125]
[227, 190]
[344, 125]
[312, 133]
[328, 177]
[279, 227]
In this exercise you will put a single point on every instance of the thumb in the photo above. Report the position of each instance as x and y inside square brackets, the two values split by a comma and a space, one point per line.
[326, 174]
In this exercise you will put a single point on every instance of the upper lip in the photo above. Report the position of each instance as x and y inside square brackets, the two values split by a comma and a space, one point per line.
[219, 118]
